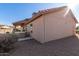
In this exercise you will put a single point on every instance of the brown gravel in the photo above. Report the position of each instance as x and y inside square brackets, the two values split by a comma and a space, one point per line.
[62, 47]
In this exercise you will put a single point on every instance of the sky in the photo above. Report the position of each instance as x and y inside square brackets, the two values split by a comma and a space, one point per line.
[12, 12]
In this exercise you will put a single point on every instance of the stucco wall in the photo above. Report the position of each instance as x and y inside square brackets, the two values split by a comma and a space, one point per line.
[38, 29]
[6, 30]
[53, 26]
[58, 25]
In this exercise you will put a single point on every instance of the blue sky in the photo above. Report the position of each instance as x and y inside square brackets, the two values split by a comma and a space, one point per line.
[11, 12]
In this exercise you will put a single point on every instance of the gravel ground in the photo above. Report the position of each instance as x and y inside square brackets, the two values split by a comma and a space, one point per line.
[62, 47]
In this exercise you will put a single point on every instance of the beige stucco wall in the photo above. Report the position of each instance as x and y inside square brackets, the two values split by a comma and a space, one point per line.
[58, 25]
[38, 29]
[19, 27]
[53, 26]
[6, 30]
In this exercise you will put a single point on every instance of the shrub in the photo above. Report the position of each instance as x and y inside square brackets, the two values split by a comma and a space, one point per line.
[27, 34]
[7, 44]
[7, 32]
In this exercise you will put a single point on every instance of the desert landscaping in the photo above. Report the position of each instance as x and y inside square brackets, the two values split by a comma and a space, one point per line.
[64, 47]
[48, 32]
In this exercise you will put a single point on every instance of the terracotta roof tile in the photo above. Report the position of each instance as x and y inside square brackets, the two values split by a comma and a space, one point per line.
[42, 12]
[21, 21]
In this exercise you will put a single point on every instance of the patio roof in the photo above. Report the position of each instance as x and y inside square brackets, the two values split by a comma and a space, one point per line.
[21, 22]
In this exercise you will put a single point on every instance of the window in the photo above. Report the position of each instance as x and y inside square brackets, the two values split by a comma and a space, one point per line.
[31, 25]
[31, 28]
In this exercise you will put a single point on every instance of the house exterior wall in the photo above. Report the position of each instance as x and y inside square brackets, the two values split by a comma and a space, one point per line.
[58, 25]
[5, 30]
[38, 29]
[53, 26]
